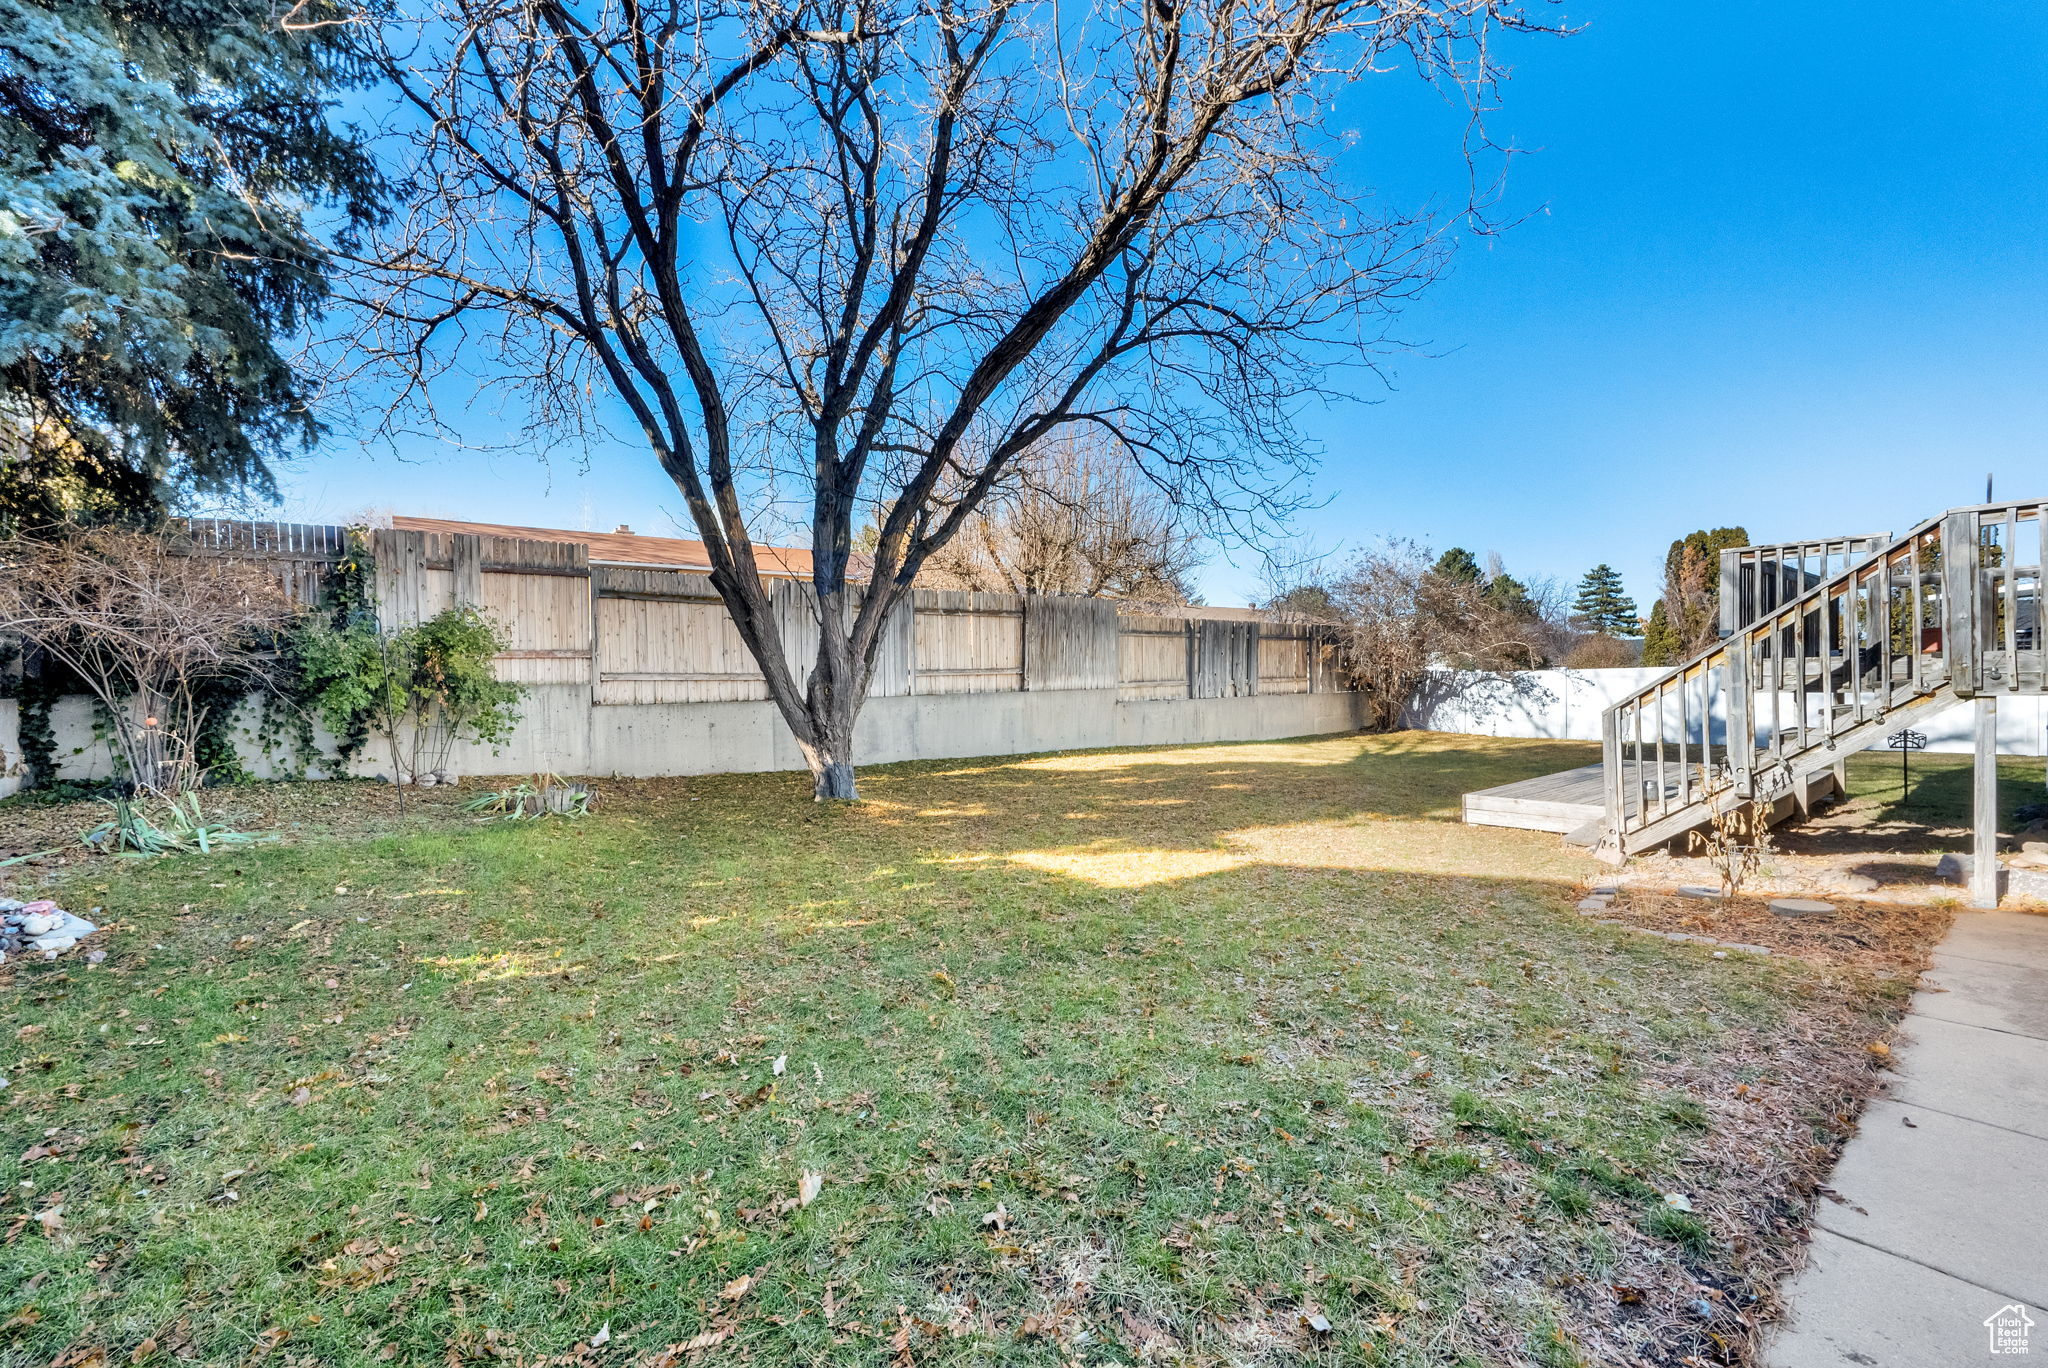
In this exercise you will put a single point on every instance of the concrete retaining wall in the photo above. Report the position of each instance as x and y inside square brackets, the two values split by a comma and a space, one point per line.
[561, 730]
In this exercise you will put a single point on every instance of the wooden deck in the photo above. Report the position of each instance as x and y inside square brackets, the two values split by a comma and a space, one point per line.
[1572, 799]
[1559, 802]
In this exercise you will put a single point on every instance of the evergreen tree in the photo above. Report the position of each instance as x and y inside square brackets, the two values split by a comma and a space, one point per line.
[1458, 566]
[1508, 594]
[1603, 605]
[1660, 643]
[158, 162]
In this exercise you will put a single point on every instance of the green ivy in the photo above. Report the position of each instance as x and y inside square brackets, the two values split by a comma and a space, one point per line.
[214, 747]
[37, 737]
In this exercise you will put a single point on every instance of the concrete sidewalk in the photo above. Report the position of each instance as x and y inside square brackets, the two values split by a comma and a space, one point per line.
[1942, 1222]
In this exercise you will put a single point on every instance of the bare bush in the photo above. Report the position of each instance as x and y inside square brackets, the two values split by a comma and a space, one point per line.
[146, 629]
[1596, 651]
[1400, 619]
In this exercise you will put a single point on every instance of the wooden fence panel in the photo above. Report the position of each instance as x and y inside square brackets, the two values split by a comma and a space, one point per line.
[664, 637]
[1283, 659]
[1070, 643]
[1152, 657]
[652, 636]
[1226, 660]
[547, 621]
[966, 642]
[303, 554]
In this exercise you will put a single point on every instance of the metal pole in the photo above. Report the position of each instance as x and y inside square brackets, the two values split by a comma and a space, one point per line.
[1984, 805]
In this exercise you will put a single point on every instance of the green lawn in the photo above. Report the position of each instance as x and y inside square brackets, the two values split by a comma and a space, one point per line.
[1174, 1055]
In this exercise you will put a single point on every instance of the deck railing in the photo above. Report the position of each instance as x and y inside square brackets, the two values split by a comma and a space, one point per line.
[1949, 610]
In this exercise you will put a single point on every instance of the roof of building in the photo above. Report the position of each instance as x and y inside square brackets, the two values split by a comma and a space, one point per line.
[625, 546]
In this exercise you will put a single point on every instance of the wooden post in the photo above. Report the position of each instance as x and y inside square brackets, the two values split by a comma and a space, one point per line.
[1741, 719]
[1984, 845]
[467, 559]
[1960, 617]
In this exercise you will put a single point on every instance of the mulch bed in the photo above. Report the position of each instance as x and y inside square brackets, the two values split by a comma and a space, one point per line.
[1878, 937]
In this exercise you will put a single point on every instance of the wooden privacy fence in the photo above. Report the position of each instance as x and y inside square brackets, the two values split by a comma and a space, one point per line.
[637, 636]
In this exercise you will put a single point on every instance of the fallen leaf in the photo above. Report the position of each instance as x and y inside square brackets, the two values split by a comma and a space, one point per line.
[737, 1288]
[807, 1188]
[602, 1337]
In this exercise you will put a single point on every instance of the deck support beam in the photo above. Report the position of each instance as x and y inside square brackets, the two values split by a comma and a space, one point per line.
[1984, 806]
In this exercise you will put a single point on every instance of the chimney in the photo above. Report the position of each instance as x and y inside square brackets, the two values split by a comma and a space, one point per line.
[622, 531]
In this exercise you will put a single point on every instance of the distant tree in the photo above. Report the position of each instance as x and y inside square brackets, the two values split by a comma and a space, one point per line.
[1458, 566]
[1307, 600]
[1077, 517]
[1603, 607]
[1660, 642]
[1401, 618]
[1509, 595]
[161, 166]
[1687, 619]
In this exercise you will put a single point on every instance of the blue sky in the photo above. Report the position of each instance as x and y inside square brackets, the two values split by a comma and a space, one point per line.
[1782, 266]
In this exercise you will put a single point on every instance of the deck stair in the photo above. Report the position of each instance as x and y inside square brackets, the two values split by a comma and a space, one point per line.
[1827, 647]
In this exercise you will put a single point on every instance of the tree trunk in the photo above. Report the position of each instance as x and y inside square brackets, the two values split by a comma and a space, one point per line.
[831, 762]
[829, 752]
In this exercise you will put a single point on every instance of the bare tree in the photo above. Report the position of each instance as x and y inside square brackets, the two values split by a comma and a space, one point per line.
[146, 628]
[862, 255]
[1075, 517]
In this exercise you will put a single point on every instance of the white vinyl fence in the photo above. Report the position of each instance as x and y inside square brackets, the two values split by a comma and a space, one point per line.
[1565, 705]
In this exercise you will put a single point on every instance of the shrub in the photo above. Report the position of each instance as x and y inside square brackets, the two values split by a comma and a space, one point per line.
[419, 689]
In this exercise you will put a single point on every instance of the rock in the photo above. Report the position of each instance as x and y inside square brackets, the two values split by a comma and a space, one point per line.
[38, 924]
[95, 956]
[11, 905]
[2032, 856]
[53, 945]
[1849, 881]
[424, 781]
[1699, 891]
[78, 928]
[1800, 907]
[39, 905]
[1592, 906]
[1954, 868]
